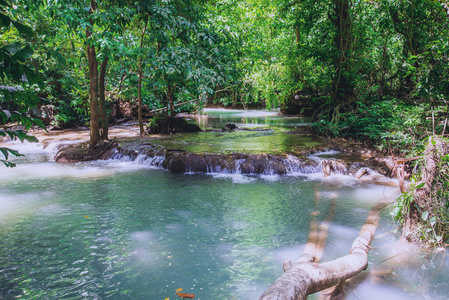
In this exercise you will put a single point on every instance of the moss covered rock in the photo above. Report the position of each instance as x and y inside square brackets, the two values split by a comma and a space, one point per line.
[168, 125]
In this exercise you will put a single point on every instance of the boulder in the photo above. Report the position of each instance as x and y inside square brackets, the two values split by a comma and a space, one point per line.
[84, 152]
[170, 125]
[230, 127]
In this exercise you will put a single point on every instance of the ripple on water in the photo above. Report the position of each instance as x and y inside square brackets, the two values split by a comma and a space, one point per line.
[236, 178]
[117, 229]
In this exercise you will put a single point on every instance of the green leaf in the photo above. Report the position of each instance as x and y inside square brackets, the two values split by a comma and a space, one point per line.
[23, 136]
[23, 54]
[420, 185]
[4, 3]
[433, 220]
[12, 151]
[8, 164]
[5, 115]
[31, 76]
[23, 29]
[11, 48]
[396, 212]
[5, 152]
[438, 238]
[5, 21]
[425, 215]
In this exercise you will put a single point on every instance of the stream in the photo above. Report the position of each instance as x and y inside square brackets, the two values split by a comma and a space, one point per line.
[125, 229]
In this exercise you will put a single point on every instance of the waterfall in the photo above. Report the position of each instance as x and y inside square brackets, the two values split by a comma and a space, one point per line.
[239, 164]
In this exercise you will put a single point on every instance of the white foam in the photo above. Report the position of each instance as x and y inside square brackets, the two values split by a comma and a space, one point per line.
[317, 156]
[251, 113]
[236, 178]
[271, 177]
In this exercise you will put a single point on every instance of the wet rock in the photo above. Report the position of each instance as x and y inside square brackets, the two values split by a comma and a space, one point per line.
[264, 164]
[175, 161]
[83, 152]
[230, 127]
[361, 172]
[178, 160]
[333, 166]
[382, 165]
[169, 125]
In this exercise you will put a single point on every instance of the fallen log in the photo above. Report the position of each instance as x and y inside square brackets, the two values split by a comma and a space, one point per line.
[308, 277]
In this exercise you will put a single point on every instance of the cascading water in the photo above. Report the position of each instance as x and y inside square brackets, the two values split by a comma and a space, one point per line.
[250, 164]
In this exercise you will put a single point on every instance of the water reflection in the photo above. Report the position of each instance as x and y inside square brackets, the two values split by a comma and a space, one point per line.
[217, 118]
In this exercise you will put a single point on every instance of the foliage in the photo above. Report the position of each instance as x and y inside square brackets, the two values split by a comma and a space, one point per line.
[433, 217]
[17, 74]
[248, 52]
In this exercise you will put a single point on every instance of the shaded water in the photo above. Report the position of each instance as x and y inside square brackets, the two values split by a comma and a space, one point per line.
[265, 132]
[123, 230]
[217, 118]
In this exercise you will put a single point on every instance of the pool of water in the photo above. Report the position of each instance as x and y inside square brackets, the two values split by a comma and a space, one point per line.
[121, 229]
[260, 131]
[217, 118]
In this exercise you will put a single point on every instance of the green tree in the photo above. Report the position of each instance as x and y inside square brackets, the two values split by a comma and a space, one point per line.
[17, 95]
[96, 26]
[190, 57]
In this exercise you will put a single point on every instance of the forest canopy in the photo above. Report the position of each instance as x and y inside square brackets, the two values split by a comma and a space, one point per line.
[366, 69]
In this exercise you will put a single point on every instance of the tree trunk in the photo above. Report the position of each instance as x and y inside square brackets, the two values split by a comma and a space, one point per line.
[170, 100]
[424, 198]
[342, 82]
[102, 100]
[93, 85]
[117, 110]
[139, 88]
[297, 35]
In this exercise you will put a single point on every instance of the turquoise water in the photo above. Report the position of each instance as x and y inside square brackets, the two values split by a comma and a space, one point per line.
[120, 229]
[217, 118]
[262, 132]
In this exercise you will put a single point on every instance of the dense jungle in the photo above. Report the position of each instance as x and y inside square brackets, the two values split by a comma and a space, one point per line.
[132, 131]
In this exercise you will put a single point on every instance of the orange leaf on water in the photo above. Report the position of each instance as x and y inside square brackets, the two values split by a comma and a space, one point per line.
[185, 295]
[178, 290]
[86, 216]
